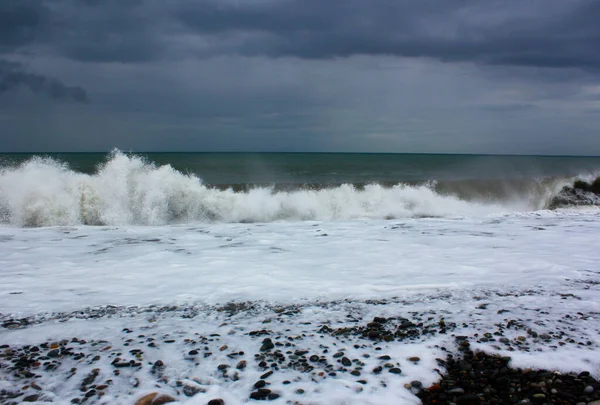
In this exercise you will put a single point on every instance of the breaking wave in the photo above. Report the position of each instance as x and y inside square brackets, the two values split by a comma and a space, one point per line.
[128, 190]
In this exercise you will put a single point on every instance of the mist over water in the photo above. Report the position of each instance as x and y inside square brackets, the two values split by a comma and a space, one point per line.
[132, 190]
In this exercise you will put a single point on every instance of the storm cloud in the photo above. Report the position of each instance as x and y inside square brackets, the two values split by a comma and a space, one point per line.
[451, 75]
[551, 33]
[13, 76]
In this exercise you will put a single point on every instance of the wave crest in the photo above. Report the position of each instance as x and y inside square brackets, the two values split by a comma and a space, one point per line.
[128, 190]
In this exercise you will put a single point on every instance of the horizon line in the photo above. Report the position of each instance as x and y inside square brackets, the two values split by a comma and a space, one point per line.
[304, 153]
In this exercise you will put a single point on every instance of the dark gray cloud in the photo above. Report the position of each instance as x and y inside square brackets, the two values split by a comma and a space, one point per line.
[23, 24]
[509, 76]
[20, 21]
[531, 33]
[542, 33]
[13, 76]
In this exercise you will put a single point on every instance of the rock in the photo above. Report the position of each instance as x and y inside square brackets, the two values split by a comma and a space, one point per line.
[189, 390]
[538, 397]
[588, 390]
[373, 334]
[468, 399]
[434, 388]
[581, 193]
[346, 362]
[395, 370]
[267, 345]
[217, 401]
[154, 398]
[414, 359]
[31, 398]
[157, 367]
[53, 353]
[456, 391]
[261, 394]
[260, 384]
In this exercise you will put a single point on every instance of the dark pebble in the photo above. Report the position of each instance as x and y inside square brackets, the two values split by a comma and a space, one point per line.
[468, 399]
[267, 345]
[497, 383]
[416, 384]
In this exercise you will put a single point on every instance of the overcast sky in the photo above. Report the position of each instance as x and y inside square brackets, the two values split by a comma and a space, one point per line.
[465, 76]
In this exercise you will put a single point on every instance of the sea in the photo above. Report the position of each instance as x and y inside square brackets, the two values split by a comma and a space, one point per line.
[175, 188]
[194, 259]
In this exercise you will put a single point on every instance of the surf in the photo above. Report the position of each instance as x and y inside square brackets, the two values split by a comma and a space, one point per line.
[128, 189]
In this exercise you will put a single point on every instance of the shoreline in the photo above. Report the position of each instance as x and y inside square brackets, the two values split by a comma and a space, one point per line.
[290, 355]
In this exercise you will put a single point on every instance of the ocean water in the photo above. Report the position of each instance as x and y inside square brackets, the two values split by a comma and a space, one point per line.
[91, 245]
[161, 189]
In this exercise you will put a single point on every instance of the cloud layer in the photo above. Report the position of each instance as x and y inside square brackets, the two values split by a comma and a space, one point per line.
[13, 76]
[551, 33]
[452, 75]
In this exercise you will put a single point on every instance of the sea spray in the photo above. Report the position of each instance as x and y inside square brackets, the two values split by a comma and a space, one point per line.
[130, 190]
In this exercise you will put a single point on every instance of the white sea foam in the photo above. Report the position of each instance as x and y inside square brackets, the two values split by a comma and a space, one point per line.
[446, 267]
[127, 190]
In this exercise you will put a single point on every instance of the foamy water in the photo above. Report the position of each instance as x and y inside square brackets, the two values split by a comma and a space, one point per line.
[130, 191]
[162, 239]
[519, 263]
